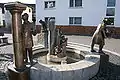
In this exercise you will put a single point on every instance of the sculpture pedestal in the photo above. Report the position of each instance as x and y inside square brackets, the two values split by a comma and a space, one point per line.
[17, 75]
[104, 59]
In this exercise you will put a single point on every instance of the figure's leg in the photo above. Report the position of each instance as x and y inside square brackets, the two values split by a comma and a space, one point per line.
[100, 48]
[25, 55]
[92, 47]
[30, 54]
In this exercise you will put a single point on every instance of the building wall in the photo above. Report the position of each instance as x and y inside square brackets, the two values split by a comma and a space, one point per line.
[91, 12]
[117, 14]
[1, 19]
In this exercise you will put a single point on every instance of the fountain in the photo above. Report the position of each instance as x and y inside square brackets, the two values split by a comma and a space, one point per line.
[63, 60]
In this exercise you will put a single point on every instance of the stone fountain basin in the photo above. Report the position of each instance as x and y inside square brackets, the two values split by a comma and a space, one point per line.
[81, 70]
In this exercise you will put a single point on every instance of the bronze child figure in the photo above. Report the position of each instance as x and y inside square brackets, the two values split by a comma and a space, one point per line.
[99, 36]
[27, 38]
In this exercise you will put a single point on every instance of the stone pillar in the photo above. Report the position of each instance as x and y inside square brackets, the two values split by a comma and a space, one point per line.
[51, 36]
[18, 71]
[16, 10]
[104, 59]
[46, 39]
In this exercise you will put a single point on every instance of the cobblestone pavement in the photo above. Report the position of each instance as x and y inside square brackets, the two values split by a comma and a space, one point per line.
[110, 43]
[6, 57]
[112, 71]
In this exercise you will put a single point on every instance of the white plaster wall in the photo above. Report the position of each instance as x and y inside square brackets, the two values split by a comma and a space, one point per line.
[92, 12]
[29, 13]
[117, 14]
[1, 20]
[8, 19]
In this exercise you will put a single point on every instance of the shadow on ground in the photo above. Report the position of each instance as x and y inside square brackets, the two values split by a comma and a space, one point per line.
[3, 76]
[6, 57]
[111, 72]
[5, 44]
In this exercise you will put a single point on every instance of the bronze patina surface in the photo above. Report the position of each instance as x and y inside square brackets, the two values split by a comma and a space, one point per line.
[16, 9]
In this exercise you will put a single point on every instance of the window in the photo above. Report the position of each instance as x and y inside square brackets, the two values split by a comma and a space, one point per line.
[3, 11]
[49, 4]
[110, 12]
[29, 10]
[110, 21]
[75, 20]
[111, 3]
[75, 3]
[46, 18]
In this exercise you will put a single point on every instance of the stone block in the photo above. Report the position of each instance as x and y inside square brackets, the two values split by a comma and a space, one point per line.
[104, 58]
[45, 73]
[17, 75]
[67, 72]
[56, 75]
[77, 74]
[90, 71]
[35, 74]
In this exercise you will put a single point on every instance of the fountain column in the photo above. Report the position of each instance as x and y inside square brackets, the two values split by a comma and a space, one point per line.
[51, 36]
[17, 71]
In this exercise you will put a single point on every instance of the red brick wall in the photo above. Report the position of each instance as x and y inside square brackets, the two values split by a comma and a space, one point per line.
[83, 30]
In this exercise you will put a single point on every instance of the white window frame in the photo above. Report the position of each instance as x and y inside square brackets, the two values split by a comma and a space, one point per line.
[111, 17]
[74, 5]
[74, 21]
[49, 5]
[113, 12]
[48, 18]
[110, 5]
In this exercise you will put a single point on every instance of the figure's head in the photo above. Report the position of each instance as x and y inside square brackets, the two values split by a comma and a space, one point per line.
[63, 37]
[25, 16]
[40, 21]
[105, 21]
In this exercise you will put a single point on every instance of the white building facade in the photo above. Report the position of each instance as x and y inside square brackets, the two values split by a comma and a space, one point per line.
[1, 17]
[79, 12]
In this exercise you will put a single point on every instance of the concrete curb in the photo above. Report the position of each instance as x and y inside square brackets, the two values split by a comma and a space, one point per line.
[117, 54]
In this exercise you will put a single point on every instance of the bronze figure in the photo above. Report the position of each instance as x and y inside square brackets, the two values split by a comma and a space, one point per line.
[44, 25]
[27, 37]
[99, 36]
[61, 48]
[45, 31]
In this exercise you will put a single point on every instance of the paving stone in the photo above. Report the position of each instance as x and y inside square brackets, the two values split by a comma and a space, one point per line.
[113, 71]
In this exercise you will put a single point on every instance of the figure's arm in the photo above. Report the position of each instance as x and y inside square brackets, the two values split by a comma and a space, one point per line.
[104, 33]
[33, 30]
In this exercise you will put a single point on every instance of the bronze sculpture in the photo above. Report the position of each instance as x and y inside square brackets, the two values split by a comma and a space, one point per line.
[99, 36]
[44, 25]
[61, 48]
[45, 31]
[17, 70]
[27, 37]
